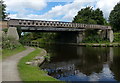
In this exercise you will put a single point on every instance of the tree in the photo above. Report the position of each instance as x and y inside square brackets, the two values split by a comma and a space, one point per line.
[90, 16]
[3, 13]
[114, 17]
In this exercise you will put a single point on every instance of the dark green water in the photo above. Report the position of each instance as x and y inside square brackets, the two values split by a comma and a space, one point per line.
[75, 63]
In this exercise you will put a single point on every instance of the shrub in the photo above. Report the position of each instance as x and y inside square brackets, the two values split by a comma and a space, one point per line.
[5, 30]
[9, 43]
[94, 39]
[116, 37]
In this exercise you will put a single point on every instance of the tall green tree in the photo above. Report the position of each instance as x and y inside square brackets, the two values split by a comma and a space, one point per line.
[114, 17]
[3, 13]
[89, 16]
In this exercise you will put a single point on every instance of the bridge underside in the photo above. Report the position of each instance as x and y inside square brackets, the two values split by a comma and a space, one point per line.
[66, 35]
[50, 29]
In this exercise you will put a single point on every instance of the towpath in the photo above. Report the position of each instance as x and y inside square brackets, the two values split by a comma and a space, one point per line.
[9, 66]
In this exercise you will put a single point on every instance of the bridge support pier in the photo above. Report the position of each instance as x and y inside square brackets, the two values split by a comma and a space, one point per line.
[107, 34]
[110, 35]
[12, 33]
[80, 36]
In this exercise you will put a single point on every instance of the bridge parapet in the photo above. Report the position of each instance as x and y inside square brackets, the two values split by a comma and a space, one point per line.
[55, 24]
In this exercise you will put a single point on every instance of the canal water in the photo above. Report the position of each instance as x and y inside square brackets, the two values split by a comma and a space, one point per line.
[76, 63]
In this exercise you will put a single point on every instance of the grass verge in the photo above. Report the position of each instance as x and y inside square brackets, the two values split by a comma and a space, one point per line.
[6, 52]
[0, 54]
[32, 73]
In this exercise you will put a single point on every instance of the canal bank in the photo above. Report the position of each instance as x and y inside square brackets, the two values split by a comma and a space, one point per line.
[37, 44]
[29, 70]
[99, 44]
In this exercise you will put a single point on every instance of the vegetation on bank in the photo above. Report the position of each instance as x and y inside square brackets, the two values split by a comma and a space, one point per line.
[10, 46]
[98, 39]
[32, 73]
[9, 43]
[100, 44]
[0, 54]
[42, 37]
[117, 37]
[94, 39]
[7, 52]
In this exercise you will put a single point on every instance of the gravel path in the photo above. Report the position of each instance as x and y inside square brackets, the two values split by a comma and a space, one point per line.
[9, 66]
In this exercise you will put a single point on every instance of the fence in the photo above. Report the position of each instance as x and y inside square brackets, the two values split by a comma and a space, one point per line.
[34, 44]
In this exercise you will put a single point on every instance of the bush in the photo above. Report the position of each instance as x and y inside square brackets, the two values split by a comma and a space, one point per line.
[9, 43]
[5, 30]
[94, 39]
[116, 37]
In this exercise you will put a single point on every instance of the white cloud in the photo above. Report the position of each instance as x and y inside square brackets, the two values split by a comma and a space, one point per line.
[66, 12]
[106, 6]
[21, 5]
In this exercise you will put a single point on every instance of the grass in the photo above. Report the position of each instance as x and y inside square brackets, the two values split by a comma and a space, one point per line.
[33, 73]
[0, 54]
[6, 52]
[114, 44]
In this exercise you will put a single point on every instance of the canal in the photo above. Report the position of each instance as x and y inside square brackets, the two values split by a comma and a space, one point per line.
[75, 63]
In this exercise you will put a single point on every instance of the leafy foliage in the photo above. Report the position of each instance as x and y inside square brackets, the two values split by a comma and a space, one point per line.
[3, 13]
[5, 30]
[19, 31]
[9, 43]
[114, 17]
[116, 37]
[90, 16]
[94, 39]
[39, 37]
[27, 37]
[8, 52]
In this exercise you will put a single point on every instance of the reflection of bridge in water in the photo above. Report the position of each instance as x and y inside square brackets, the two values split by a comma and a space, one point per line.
[87, 64]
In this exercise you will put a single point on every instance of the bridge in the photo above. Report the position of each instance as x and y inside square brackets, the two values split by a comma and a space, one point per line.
[30, 25]
[59, 26]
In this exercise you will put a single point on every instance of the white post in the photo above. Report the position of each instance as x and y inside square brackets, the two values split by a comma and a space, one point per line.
[80, 37]
[110, 35]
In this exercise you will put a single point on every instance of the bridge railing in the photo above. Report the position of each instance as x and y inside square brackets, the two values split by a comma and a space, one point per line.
[57, 24]
[33, 44]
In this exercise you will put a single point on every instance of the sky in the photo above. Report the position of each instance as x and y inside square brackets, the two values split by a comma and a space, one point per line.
[55, 10]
